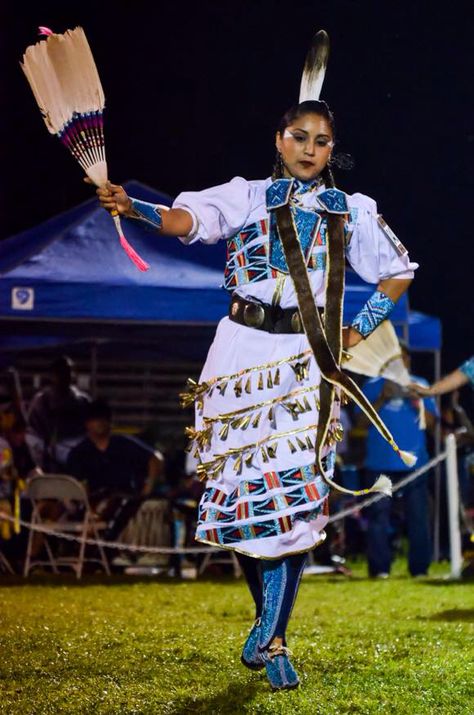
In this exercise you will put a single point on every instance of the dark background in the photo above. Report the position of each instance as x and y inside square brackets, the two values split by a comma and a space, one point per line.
[195, 91]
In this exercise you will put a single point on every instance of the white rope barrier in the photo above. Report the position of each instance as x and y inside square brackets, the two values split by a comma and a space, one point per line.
[376, 497]
[133, 548]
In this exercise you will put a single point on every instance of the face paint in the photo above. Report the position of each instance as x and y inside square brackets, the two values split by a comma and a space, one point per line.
[302, 139]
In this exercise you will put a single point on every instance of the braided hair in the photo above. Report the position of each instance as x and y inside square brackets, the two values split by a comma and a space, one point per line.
[299, 110]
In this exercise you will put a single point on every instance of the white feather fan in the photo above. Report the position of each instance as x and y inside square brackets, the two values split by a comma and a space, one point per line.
[66, 85]
[379, 355]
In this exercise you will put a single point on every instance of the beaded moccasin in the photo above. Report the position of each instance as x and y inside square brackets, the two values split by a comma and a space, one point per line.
[280, 672]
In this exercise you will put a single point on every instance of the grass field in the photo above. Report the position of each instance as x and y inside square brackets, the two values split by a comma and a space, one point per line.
[127, 646]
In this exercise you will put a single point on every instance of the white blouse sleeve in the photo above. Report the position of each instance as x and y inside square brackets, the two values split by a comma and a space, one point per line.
[370, 251]
[219, 212]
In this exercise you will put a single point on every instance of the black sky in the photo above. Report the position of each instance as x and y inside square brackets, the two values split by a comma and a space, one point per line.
[194, 92]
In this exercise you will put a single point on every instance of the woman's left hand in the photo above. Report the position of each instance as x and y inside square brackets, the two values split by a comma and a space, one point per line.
[350, 337]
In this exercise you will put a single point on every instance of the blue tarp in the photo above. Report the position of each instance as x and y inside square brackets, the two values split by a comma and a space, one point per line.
[70, 276]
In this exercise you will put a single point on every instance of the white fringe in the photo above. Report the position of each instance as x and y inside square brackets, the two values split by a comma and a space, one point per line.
[382, 485]
[408, 458]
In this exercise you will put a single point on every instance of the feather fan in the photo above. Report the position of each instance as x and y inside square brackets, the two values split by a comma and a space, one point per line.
[64, 79]
[379, 356]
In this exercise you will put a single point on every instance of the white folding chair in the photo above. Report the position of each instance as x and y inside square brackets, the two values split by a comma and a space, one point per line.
[150, 527]
[66, 490]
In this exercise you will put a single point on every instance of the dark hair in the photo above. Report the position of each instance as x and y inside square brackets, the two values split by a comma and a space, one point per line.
[310, 107]
[98, 410]
[343, 161]
[62, 366]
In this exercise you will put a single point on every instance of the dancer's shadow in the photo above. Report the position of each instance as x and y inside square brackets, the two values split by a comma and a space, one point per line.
[452, 614]
[229, 701]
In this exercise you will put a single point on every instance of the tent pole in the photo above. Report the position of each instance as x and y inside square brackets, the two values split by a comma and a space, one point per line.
[437, 471]
[94, 369]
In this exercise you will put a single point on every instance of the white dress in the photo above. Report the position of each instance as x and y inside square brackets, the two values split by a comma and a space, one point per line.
[258, 394]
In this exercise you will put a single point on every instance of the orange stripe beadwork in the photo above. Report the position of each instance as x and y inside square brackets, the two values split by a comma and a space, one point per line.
[272, 480]
[312, 492]
[218, 497]
[243, 510]
[285, 524]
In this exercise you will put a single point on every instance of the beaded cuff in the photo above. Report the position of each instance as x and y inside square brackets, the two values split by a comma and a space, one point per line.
[149, 213]
[378, 307]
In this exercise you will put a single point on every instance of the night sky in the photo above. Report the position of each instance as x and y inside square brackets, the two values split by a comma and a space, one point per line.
[194, 93]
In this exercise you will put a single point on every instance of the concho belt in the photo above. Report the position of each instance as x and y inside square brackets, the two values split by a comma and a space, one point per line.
[266, 317]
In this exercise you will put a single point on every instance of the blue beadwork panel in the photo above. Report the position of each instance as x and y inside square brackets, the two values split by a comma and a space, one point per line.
[305, 491]
[278, 193]
[247, 256]
[334, 201]
[307, 224]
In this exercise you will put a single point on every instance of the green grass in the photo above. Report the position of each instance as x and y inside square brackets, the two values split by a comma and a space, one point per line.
[397, 646]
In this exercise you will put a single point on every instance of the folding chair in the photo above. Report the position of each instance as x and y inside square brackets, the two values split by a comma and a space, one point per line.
[63, 489]
[150, 527]
[5, 564]
[228, 558]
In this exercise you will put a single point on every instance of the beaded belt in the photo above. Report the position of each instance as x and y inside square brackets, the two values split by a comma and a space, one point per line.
[263, 316]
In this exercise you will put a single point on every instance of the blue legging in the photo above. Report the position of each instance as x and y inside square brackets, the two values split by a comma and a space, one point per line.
[274, 586]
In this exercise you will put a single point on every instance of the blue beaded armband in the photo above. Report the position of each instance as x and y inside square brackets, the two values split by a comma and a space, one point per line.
[150, 213]
[378, 307]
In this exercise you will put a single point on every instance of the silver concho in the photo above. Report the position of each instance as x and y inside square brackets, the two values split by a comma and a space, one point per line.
[254, 315]
[296, 325]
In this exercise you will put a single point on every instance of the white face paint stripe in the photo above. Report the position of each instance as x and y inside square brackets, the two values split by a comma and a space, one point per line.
[289, 135]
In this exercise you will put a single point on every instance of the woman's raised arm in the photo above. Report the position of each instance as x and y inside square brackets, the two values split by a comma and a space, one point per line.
[170, 222]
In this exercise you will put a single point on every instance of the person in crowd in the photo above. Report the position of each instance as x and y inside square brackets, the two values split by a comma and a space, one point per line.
[7, 480]
[56, 415]
[119, 471]
[26, 448]
[20, 456]
[463, 375]
[407, 416]
[462, 425]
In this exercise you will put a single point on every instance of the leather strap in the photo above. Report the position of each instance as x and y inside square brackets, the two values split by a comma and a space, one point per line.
[325, 342]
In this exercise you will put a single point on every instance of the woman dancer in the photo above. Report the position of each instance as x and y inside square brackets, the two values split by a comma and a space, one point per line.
[268, 399]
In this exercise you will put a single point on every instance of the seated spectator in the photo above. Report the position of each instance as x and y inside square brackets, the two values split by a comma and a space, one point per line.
[56, 415]
[26, 448]
[118, 470]
[18, 460]
[407, 417]
[7, 481]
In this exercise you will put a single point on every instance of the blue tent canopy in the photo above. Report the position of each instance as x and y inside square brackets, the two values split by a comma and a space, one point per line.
[70, 278]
